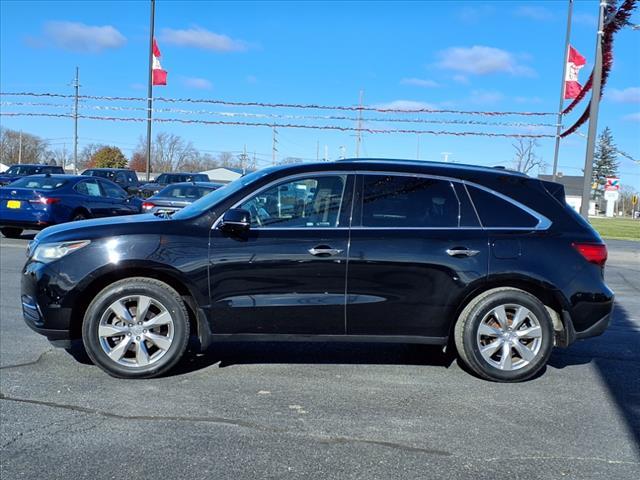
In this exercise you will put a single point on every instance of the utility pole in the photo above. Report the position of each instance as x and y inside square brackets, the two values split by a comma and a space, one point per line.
[565, 58]
[593, 115]
[326, 153]
[20, 147]
[274, 149]
[359, 128]
[150, 87]
[76, 85]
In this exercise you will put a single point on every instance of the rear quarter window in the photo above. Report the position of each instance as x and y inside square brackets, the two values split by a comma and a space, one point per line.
[497, 212]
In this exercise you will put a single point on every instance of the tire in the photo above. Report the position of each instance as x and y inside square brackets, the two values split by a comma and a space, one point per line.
[504, 354]
[79, 216]
[146, 352]
[11, 232]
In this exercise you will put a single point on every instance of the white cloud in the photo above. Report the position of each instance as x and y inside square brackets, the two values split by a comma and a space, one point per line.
[252, 79]
[461, 79]
[79, 37]
[632, 117]
[485, 97]
[481, 60]
[406, 105]
[628, 95]
[419, 82]
[197, 37]
[195, 82]
[533, 13]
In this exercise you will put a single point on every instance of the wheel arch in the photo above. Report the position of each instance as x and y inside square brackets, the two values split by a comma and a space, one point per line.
[547, 293]
[109, 275]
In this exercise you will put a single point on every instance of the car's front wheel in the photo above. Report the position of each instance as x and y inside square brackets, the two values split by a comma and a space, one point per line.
[11, 232]
[505, 335]
[136, 328]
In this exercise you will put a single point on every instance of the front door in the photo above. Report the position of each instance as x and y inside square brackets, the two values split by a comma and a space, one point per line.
[287, 274]
[416, 245]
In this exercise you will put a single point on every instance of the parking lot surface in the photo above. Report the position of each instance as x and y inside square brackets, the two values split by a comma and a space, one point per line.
[310, 410]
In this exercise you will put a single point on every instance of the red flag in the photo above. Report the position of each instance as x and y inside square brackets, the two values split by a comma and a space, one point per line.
[574, 63]
[159, 75]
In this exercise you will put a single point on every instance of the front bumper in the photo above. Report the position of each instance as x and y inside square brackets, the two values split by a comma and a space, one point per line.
[41, 308]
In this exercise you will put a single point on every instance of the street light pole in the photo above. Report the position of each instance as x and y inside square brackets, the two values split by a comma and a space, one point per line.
[593, 115]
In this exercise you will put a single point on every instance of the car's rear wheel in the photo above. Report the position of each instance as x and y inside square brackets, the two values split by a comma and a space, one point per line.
[136, 328]
[80, 215]
[11, 232]
[505, 335]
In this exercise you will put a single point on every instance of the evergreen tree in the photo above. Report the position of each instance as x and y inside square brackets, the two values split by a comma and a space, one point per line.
[605, 163]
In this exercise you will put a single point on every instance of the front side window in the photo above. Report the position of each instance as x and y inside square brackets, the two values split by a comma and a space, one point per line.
[311, 202]
[412, 202]
[162, 179]
[113, 191]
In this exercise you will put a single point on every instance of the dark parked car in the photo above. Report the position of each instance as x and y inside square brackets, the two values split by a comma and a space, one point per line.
[37, 201]
[165, 179]
[124, 177]
[492, 263]
[15, 172]
[176, 196]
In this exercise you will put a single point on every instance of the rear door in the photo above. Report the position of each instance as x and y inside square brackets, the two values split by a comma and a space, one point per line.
[416, 244]
[91, 197]
[118, 198]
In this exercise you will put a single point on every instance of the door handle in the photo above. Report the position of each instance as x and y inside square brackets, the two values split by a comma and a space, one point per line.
[324, 250]
[461, 252]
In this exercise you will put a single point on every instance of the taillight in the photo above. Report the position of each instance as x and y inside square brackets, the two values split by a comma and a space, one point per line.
[147, 206]
[45, 200]
[592, 252]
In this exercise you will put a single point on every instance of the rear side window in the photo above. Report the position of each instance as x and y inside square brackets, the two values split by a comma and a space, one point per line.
[89, 187]
[496, 212]
[402, 201]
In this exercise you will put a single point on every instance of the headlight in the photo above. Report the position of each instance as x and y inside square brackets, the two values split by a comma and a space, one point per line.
[48, 252]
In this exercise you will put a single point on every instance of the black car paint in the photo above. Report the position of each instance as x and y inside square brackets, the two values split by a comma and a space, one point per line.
[32, 169]
[393, 285]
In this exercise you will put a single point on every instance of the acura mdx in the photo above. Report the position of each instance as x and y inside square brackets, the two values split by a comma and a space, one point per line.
[489, 262]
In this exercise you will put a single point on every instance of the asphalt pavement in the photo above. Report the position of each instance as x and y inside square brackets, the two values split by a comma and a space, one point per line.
[330, 411]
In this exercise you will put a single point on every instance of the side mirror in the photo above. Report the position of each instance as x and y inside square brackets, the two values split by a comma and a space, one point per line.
[236, 220]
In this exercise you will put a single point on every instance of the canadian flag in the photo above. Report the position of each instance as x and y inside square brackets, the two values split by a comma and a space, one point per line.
[574, 63]
[159, 75]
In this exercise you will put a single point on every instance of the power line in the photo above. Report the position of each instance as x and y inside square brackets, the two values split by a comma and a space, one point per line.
[287, 125]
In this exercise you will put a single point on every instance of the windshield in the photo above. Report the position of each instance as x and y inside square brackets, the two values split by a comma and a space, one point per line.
[209, 201]
[22, 170]
[42, 183]
[184, 192]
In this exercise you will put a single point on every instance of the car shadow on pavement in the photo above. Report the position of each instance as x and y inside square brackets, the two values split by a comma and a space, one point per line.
[616, 356]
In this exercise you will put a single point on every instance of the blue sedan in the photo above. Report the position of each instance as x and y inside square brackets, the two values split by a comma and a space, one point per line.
[37, 201]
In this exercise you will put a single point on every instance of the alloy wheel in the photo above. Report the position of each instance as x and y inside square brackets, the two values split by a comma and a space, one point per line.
[509, 337]
[136, 331]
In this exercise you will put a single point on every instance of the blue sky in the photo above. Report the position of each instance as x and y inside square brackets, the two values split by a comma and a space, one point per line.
[488, 56]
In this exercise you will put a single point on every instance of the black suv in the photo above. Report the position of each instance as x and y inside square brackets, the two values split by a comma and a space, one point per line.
[15, 172]
[491, 262]
[124, 177]
[165, 179]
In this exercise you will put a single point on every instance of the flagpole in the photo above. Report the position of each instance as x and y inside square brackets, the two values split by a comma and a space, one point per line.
[593, 115]
[567, 40]
[150, 89]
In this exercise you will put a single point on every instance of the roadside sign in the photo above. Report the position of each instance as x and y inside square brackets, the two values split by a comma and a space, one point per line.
[634, 199]
[612, 183]
[611, 195]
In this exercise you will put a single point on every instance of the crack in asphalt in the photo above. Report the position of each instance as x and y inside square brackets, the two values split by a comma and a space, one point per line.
[319, 438]
[27, 364]
[224, 421]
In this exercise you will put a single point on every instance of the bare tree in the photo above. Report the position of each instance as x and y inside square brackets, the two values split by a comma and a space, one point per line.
[61, 156]
[86, 154]
[22, 147]
[525, 157]
[169, 152]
